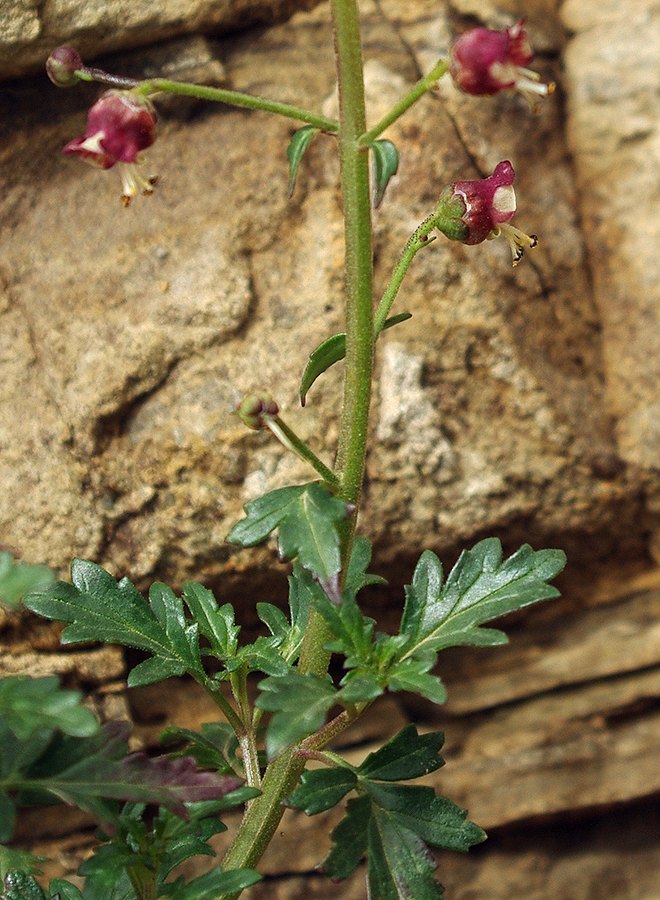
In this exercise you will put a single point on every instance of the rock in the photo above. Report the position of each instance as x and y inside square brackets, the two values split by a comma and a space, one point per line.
[30, 31]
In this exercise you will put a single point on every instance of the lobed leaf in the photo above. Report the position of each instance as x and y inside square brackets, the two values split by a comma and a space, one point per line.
[479, 588]
[299, 703]
[406, 755]
[307, 517]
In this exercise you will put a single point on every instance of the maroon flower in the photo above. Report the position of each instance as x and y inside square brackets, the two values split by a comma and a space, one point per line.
[475, 211]
[119, 126]
[484, 61]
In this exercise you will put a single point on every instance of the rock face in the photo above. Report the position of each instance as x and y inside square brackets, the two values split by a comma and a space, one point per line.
[29, 30]
[517, 402]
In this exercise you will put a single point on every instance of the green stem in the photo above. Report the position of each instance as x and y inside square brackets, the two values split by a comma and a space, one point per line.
[281, 776]
[236, 98]
[423, 85]
[418, 239]
[291, 441]
[246, 736]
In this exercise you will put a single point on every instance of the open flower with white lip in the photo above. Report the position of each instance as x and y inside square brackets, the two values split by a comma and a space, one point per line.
[119, 126]
[475, 211]
[484, 61]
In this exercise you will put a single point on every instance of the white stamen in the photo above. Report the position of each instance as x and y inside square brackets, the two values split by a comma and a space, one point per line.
[132, 181]
[517, 240]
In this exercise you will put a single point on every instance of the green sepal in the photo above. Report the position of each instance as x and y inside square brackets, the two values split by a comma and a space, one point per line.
[385, 159]
[298, 145]
[331, 351]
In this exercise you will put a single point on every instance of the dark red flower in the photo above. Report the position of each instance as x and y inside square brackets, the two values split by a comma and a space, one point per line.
[474, 211]
[119, 126]
[484, 61]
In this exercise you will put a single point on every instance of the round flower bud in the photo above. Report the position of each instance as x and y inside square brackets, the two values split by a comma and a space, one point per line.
[62, 65]
[256, 408]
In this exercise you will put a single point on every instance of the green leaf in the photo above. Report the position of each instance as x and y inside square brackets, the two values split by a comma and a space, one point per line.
[18, 578]
[21, 886]
[357, 576]
[331, 351]
[406, 755]
[479, 588]
[12, 860]
[215, 622]
[64, 890]
[31, 704]
[412, 675]
[307, 516]
[214, 884]
[299, 143]
[349, 839]
[7, 817]
[215, 747]
[385, 158]
[299, 702]
[88, 771]
[102, 609]
[321, 789]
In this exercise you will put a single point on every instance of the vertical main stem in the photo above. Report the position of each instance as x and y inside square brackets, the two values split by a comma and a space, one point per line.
[281, 776]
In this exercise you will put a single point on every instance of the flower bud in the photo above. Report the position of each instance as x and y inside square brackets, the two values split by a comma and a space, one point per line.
[256, 408]
[474, 211]
[484, 61]
[62, 65]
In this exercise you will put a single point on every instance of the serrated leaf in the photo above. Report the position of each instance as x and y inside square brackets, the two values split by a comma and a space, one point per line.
[298, 145]
[385, 158]
[84, 771]
[479, 588]
[306, 516]
[99, 608]
[349, 839]
[412, 675]
[31, 704]
[214, 884]
[436, 820]
[406, 755]
[321, 789]
[18, 578]
[215, 622]
[331, 351]
[399, 865]
[357, 576]
[299, 703]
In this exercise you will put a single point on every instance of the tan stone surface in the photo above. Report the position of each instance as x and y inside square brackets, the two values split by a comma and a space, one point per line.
[521, 402]
[29, 30]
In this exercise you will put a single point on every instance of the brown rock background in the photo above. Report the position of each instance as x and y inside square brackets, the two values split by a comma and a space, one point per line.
[522, 403]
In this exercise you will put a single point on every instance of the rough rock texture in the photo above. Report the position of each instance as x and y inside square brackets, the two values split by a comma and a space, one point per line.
[30, 29]
[519, 402]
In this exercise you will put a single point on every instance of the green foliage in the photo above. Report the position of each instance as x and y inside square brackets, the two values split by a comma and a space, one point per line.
[391, 823]
[331, 351]
[29, 705]
[151, 847]
[298, 145]
[299, 703]
[18, 578]
[215, 747]
[480, 587]
[12, 860]
[385, 158]
[306, 517]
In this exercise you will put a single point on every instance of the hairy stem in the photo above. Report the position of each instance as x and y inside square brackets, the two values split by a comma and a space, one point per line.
[281, 776]
[289, 439]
